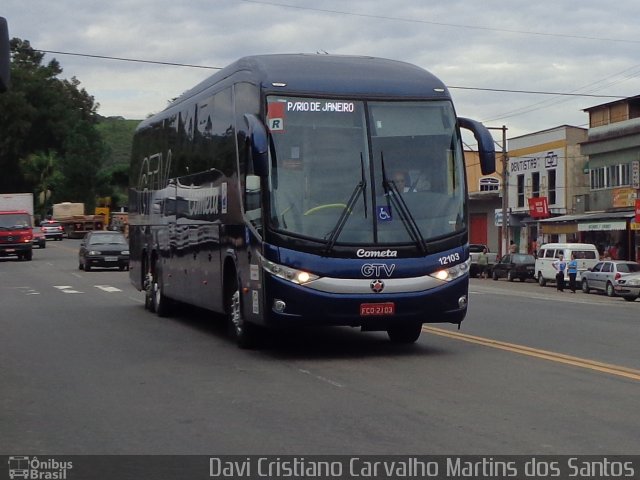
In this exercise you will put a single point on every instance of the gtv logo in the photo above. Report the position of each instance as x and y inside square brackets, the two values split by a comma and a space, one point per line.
[375, 270]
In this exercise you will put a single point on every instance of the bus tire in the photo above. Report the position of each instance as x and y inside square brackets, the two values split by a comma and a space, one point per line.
[404, 333]
[159, 302]
[244, 333]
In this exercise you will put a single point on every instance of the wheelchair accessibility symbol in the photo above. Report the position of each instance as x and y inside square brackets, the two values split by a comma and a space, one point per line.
[384, 213]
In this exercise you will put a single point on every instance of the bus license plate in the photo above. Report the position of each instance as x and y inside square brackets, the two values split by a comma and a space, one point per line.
[369, 309]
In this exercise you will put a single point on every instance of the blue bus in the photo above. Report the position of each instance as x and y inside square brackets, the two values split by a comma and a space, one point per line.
[297, 190]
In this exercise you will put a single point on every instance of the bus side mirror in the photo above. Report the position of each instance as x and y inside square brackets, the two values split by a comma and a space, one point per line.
[486, 150]
[259, 144]
[4, 55]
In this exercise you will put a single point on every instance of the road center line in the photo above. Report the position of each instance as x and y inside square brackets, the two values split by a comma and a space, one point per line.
[321, 378]
[620, 371]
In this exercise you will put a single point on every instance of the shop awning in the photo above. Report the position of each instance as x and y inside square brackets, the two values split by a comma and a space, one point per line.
[590, 217]
[601, 226]
[587, 222]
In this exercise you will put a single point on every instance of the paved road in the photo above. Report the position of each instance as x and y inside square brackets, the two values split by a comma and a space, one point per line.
[85, 369]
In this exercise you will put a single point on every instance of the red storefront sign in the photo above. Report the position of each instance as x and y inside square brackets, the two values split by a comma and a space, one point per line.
[637, 210]
[538, 207]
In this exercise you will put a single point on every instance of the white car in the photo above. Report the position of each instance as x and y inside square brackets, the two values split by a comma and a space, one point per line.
[585, 253]
[628, 287]
[604, 275]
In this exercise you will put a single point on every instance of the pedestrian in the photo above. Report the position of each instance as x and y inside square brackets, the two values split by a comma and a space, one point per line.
[572, 270]
[560, 265]
[513, 248]
[483, 263]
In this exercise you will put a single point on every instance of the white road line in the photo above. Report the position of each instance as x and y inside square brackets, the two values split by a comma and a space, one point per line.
[108, 288]
[66, 289]
[321, 378]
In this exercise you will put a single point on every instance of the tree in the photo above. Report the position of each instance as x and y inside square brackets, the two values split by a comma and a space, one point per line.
[42, 171]
[41, 117]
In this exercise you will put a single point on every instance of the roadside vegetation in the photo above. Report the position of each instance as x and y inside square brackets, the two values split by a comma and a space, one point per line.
[52, 140]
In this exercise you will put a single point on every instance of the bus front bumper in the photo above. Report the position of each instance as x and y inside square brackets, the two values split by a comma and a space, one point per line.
[295, 305]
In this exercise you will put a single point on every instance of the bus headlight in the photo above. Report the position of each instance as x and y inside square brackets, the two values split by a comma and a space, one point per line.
[293, 275]
[451, 273]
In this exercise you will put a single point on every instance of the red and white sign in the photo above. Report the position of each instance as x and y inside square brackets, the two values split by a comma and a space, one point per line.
[538, 207]
[275, 116]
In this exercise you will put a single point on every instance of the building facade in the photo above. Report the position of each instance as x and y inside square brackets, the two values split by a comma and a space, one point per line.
[605, 214]
[547, 178]
[485, 195]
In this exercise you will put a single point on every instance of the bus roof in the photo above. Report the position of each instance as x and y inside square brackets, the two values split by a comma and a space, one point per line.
[339, 75]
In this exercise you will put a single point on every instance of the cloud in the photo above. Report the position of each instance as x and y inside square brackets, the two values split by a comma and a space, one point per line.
[545, 46]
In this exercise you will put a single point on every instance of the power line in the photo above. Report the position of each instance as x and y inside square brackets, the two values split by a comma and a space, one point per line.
[536, 92]
[135, 60]
[176, 64]
[442, 24]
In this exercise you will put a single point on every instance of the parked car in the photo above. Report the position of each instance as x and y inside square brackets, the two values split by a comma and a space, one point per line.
[603, 275]
[52, 229]
[474, 251]
[628, 287]
[103, 248]
[39, 238]
[515, 265]
[586, 254]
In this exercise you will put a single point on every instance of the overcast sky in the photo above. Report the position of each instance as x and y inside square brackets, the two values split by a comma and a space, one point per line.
[475, 47]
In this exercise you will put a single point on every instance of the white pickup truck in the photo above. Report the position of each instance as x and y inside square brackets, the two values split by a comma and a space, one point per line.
[474, 250]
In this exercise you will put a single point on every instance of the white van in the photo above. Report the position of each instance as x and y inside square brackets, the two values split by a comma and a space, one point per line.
[586, 254]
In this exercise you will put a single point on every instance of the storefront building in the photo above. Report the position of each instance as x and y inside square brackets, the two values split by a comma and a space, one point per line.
[615, 234]
[613, 150]
[547, 178]
[485, 195]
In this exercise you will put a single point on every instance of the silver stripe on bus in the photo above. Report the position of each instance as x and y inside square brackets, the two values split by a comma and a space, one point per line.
[363, 286]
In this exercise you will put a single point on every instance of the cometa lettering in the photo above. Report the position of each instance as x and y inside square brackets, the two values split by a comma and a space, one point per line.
[362, 253]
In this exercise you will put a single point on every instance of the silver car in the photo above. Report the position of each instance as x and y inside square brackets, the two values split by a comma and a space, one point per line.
[604, 275]
[628, 287]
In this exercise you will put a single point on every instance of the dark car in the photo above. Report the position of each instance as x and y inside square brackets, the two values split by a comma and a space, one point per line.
[105, 249]
[52, 229]
[515, 265]
[39, 239]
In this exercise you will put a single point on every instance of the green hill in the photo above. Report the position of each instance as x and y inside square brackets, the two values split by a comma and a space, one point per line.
[118, 135]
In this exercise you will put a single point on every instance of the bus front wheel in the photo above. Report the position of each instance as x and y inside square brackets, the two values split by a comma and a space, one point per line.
[404, 333]
[243, 332]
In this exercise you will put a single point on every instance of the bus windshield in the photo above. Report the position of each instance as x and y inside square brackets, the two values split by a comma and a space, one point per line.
[365, 172]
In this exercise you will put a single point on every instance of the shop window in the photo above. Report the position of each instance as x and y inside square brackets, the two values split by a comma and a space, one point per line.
[489, 184]
[520, 203]
[551, 175]
[611, 176]
[535, 184]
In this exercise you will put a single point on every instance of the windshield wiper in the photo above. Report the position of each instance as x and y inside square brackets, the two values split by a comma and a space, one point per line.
[361, 188]
[394, 197]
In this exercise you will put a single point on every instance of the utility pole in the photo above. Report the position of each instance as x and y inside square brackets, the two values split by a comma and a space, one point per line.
[505, 190]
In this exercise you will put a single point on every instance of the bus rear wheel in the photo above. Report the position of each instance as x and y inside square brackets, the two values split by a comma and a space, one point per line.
[159, 302]
[404, 333]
